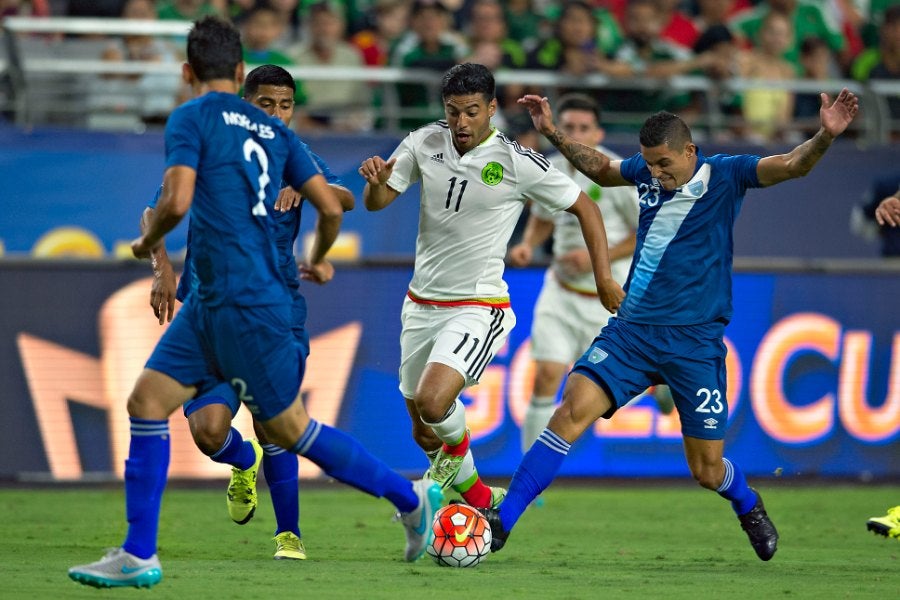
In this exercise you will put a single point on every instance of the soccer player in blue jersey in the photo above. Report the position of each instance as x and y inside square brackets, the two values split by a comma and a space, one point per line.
[671, 324]
[224, 159]
[272, 89]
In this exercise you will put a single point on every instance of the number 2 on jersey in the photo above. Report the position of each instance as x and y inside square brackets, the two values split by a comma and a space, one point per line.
[251, 147]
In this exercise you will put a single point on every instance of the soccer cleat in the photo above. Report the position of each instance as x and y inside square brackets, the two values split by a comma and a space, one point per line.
[497, 496]
[289, 547]
[665, 403]
[498, 533]
[119, 569]
[241, 496]
[444, 468]
[760, 530]
[888, 525]
[418, 522]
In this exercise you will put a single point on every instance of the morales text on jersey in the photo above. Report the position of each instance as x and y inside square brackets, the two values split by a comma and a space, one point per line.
[242, 120]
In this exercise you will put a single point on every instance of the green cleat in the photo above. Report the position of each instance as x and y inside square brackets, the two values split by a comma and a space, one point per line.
[289, 547]
[497, 496]
[241, 497]
[119, 569]
[443, 469]
[888, 525]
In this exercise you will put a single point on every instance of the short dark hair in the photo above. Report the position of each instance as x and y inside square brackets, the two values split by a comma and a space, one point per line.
[578, 102]
[713, 36]
[214, 49]
[468, 78]
[267, 75]
[664, 128]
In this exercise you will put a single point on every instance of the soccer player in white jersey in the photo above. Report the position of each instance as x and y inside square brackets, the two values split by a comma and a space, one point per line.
[474, 182]
[671, 324]
[567, 315]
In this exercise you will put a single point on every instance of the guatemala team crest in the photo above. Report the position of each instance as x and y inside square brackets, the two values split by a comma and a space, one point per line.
[597, 355]
[492, 173]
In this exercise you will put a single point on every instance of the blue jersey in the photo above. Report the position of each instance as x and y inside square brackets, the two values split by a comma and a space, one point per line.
[286, 228]
[681, 272]
[244, 153]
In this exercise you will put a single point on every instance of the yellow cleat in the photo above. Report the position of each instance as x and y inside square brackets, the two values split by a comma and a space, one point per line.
[888, 525]
[289, 547]
[241, 496]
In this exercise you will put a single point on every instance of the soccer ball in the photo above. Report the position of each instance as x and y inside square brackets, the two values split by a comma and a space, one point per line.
[462, 536]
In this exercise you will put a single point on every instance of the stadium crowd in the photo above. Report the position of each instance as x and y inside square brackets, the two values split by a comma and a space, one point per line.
[633, 40]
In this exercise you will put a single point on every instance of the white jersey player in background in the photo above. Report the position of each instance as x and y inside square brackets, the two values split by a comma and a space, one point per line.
[474, 184]
[567, 315]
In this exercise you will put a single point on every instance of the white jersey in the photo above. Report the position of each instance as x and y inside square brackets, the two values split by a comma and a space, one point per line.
[620, 209]
[469, 206]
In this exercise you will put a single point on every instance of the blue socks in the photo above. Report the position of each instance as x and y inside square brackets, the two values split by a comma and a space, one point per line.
[145, 479]
[280, 468]
[533, 475]
[734, 487]
[235, 451]
[343, 458]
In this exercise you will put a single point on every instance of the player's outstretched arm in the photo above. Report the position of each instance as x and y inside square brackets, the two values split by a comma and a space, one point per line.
[289, 198]
[589, 161]
[835, 118]
[178, 194]
[594, 232]
[376, 171]
[164, 286]
[326, 203]
[537, 231]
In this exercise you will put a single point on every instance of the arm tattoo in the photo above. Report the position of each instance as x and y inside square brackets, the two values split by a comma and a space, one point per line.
[809, 152]
[584, 158]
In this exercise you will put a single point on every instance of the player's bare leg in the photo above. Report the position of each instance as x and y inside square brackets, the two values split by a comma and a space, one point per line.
[714, 472]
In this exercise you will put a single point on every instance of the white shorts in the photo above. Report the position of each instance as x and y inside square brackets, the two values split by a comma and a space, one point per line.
[465, 338]
[565, 322]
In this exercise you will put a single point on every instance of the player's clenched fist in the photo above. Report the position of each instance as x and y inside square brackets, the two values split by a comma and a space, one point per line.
[376, 171]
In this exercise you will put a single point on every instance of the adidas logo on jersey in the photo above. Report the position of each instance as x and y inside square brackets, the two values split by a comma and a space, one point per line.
[438, 158]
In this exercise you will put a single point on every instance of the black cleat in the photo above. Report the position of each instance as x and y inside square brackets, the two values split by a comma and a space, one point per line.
[498, 533]
[760, 529]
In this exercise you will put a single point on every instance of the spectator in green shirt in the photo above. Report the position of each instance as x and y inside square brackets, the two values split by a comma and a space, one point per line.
[432, 44]
[260, 28]
[807, 19]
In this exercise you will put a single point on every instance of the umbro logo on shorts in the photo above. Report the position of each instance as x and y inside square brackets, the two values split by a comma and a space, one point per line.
[710, 423]
[438, 158]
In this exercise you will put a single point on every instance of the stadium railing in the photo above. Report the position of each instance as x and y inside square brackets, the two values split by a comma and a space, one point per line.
[51, 73]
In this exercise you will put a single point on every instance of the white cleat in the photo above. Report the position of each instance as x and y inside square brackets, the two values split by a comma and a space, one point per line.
[119, 569]
[418, 522]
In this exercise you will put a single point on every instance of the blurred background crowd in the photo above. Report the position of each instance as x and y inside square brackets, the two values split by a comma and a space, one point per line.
[638, 45]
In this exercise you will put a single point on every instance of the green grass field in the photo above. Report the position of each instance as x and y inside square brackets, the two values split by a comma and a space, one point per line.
[599, 540]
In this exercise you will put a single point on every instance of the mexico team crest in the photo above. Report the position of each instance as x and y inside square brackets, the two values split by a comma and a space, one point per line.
[492, 173]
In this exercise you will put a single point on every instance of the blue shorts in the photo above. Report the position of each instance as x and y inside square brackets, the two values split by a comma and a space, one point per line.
[627, 358]
[254, 349]
[298, 321]
[180, 355]
[224, 393]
